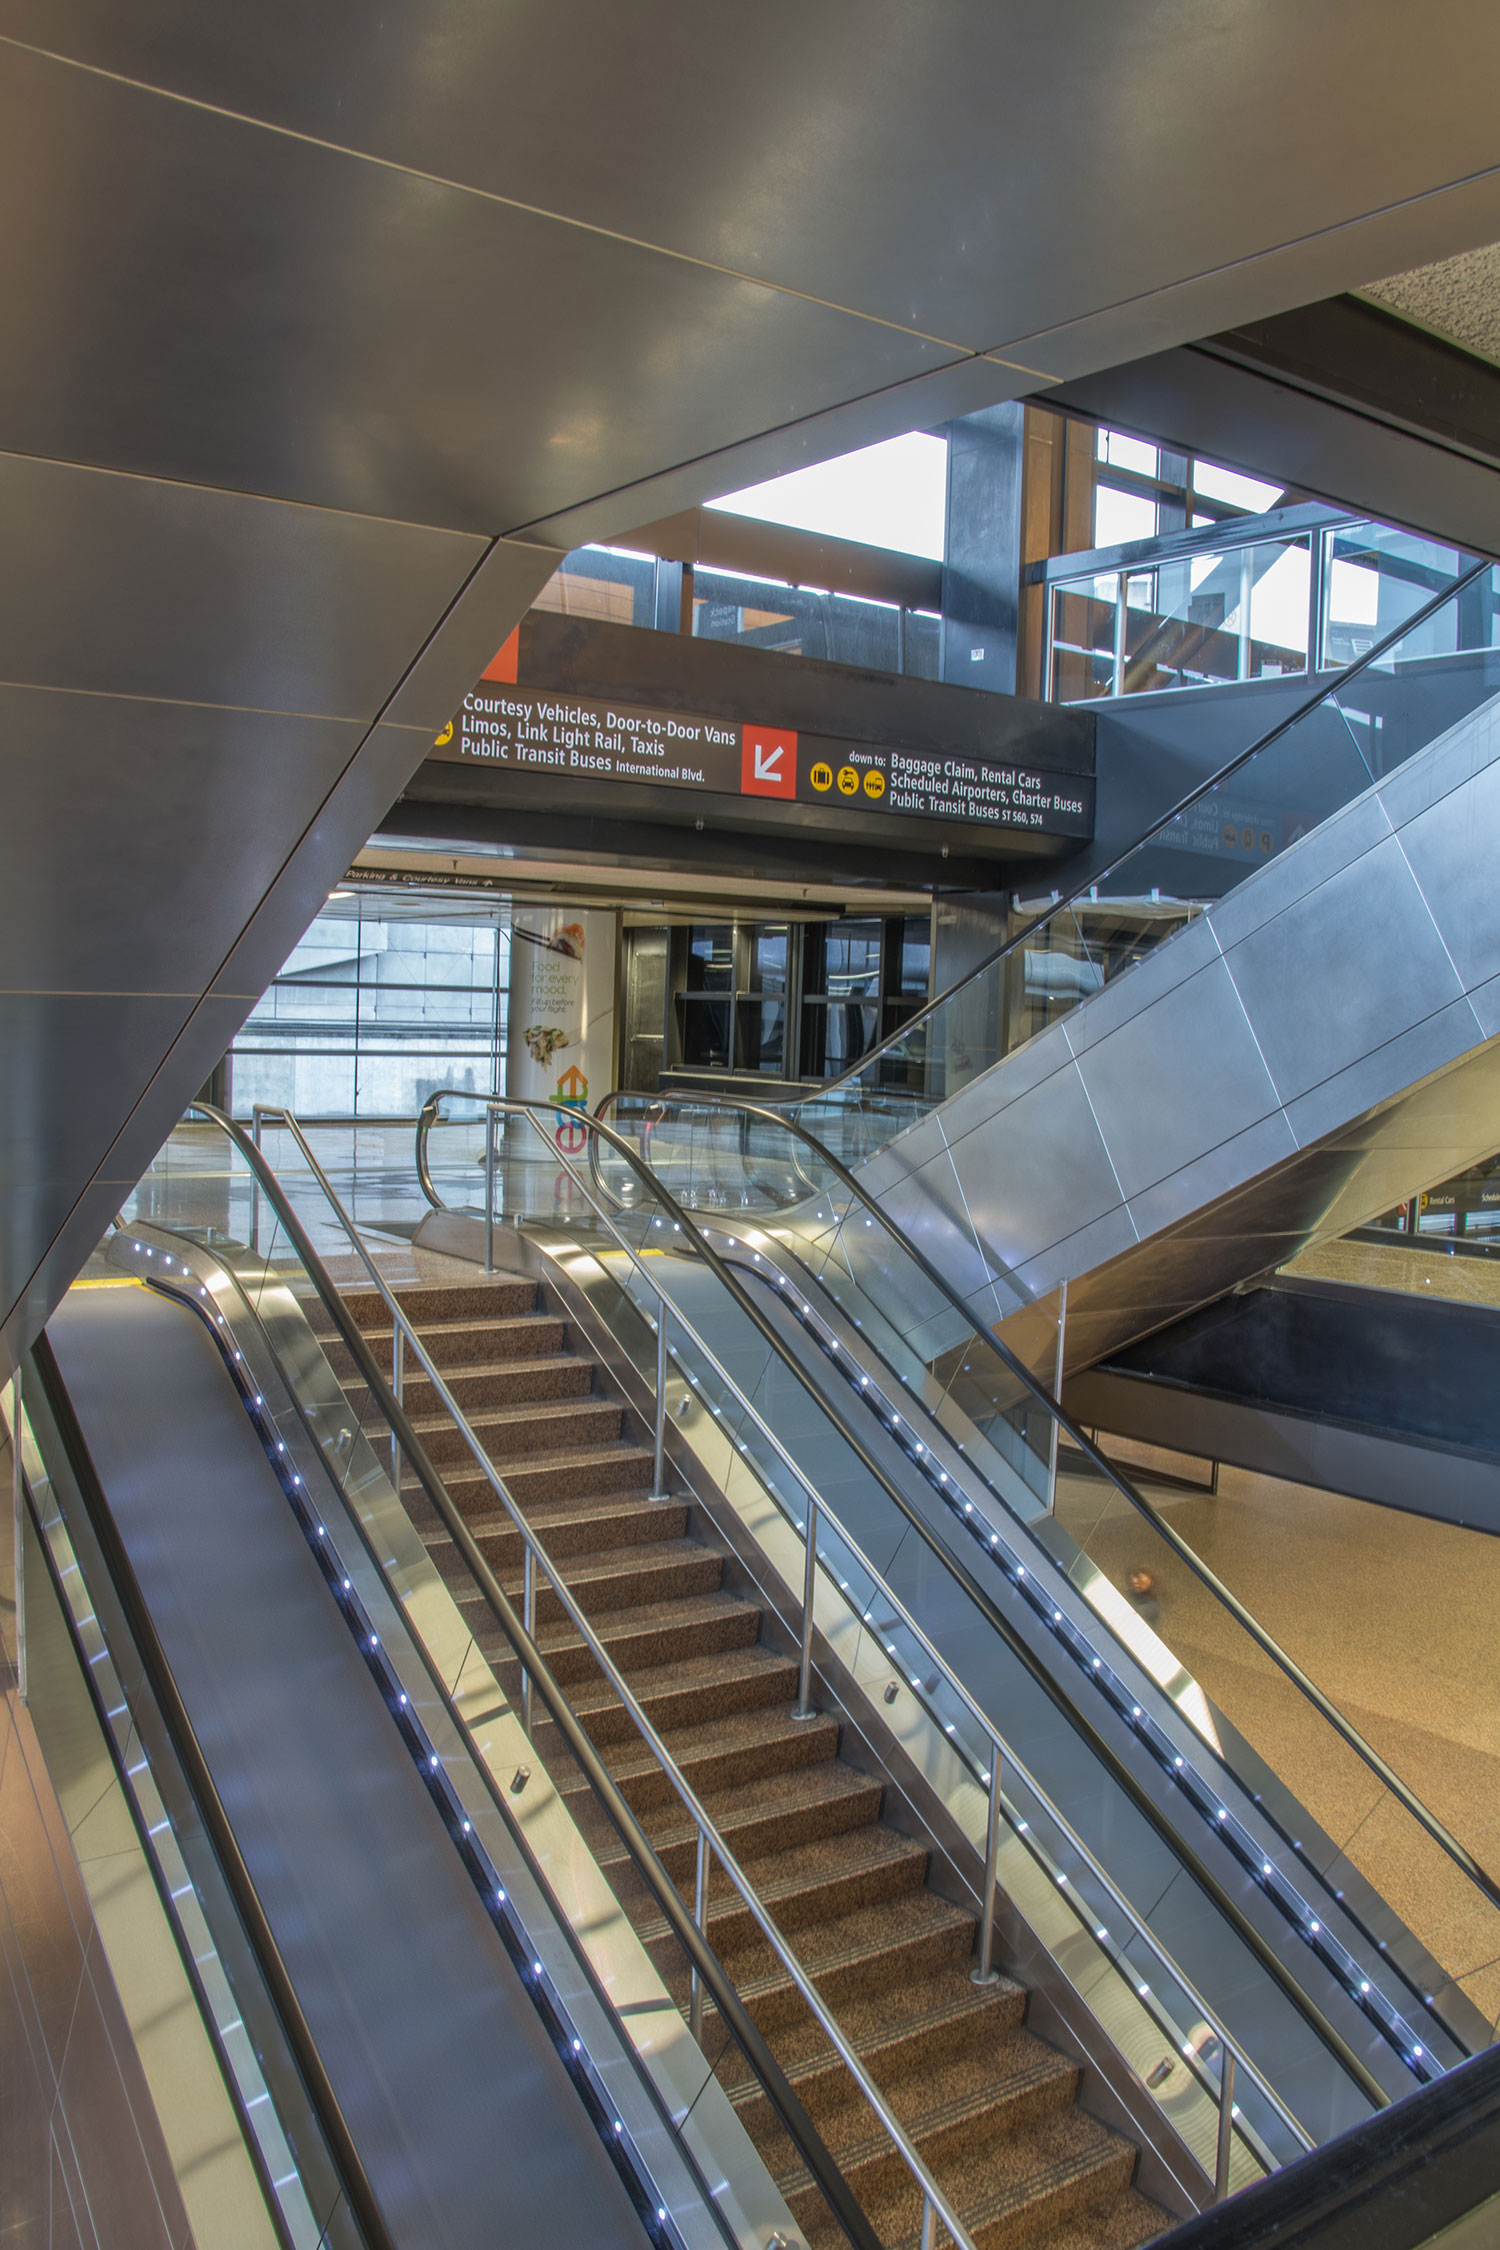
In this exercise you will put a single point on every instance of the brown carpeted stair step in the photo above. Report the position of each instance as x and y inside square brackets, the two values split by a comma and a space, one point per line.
[808, 1883]
[1014, 2191]
[931, 2017]
[1004, 2086]
[722, 1754]
[705, 1625]
[1123, 2224]
[787, 1808]
[425, 1303]
[512, 1434]
[608, 1578]
[736, 1679]
[893, 1942]
[576, 1527]
[500, 1382]
[463, 1343]
[572, 1473]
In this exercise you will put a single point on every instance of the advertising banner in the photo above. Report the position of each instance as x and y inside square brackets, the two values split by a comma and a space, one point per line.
[561, 1023]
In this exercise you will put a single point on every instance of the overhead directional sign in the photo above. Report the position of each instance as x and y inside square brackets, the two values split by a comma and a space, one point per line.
[586, 738]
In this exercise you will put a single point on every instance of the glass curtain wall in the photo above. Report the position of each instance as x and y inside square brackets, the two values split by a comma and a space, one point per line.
[386, 997]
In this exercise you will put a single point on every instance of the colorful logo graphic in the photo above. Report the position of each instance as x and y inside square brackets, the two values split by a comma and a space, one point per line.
[821, 776]
[572, 1094]
[848, 781]
[874, 783]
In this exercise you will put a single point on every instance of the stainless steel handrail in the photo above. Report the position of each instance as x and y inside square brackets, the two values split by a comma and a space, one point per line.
[1231, 766]
[991, 1343]
[1141, 1798]
[935, 2201]
[706, 1969]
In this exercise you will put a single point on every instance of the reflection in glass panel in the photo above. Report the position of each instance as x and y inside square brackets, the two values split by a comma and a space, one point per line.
[851, 959]
[835, 1034]
[768, 957]
[1083, 637]
[608, 583]
[705, 1030]
[710, 962]
[762, 1034]
[915, 966]
[1377, 577]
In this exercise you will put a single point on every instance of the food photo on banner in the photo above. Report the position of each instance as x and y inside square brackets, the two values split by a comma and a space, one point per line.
[560, 1039]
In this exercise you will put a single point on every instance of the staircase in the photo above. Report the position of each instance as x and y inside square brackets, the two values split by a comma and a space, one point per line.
[990, 2106]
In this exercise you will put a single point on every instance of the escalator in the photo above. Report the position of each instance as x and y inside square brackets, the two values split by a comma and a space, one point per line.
[424, 2031]
[430, 2009]
[1270, 1020]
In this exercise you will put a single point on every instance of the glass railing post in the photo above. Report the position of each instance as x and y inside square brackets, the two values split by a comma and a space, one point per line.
[1057, 1379]
[398, 1358]
[1117, 673]
[1247, 588]
[528, 1619]
[1226, 2124]
[18, 1504]
[255, 1187]
[489, 1191]
[984, 1971]
[700, 1916]
[659, 1447]
[804, 1706]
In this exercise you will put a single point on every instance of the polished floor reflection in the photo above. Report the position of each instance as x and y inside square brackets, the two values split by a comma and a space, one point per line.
[1393, 1617]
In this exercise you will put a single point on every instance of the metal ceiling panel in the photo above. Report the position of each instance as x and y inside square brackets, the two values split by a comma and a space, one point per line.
[106, 898]
[979, 173]
[334, 331]
[60, 1049]
[123, 585]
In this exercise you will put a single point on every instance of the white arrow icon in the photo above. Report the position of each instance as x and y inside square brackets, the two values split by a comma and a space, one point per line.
[768, 762]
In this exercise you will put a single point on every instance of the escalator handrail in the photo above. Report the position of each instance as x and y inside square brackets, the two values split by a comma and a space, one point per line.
[185, 1744]
[742, 2026]
[1201, 789]
[1327, 1710]
[1078, 1722]
[1398, 2181]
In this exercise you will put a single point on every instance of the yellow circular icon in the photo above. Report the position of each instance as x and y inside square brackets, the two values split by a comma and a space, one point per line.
[446, 736]
[874, 783]
[848, 781]
[821, 777]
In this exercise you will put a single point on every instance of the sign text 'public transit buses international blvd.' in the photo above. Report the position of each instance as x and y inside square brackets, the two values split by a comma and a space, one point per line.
[524, 730]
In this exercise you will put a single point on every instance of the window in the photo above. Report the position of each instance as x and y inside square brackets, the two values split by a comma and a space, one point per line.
[384, 999]
[794, 1001]
[1122, 452]
[1119, 516]
[889, 495]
